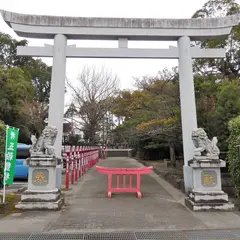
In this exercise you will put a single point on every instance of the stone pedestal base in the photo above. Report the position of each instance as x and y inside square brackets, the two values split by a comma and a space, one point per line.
[40, 200]
[208, 201]
[207, 194]
[41, 193]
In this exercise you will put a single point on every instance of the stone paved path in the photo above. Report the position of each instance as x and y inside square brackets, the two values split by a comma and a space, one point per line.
[89, 210]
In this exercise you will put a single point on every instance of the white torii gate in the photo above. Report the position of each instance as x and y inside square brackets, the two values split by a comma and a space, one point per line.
[181, 30]
[60, 51]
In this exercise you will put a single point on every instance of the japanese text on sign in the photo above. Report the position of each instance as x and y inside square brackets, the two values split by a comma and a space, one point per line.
[10, 154]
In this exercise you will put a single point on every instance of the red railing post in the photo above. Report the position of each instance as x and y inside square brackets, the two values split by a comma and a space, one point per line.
[67, 151]
[97, 155]
[76, 163]
[84, 159]
[94, 156]
[87, 158]
[80, 161]
[91, 157]
[72, 164]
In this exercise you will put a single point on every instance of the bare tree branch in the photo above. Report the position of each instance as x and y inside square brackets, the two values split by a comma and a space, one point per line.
[91, 96]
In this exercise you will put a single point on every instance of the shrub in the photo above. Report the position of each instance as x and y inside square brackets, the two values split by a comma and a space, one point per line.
[233, 152]
[2, 150]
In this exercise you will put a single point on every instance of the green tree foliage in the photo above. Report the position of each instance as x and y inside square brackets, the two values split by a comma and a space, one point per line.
[37, 110]
[217, 103]
[24, 88]
[8, 52]
[41, 78]
[228, 107]
[233, 153]
[151, 113]
[230, 66]
[217, 80]
[16, 88]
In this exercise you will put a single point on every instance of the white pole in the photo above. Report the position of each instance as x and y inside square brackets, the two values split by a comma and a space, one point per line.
[4, 184]
[188, 106]
[56, 103]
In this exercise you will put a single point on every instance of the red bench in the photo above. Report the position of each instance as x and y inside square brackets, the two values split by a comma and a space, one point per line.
[124, 172]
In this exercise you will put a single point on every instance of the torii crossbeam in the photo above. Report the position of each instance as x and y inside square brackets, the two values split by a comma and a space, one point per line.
[122, 52]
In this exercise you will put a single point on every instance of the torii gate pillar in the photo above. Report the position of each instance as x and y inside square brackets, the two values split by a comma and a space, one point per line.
[57, 93]
[56, 103]
[188, 106]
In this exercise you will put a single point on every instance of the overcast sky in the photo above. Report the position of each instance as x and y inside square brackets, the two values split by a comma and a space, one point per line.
[124, 68]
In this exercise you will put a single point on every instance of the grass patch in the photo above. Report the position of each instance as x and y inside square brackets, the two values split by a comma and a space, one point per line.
[12, 199]
[65, 189]
[62, 194]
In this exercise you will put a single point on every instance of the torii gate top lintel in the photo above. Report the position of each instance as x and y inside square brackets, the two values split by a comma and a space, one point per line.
[41, 26]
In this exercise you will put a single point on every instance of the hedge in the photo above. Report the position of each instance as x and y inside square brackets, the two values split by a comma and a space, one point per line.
[233, 152]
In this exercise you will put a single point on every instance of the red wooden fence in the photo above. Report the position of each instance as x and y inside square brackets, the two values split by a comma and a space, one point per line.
[124, 172]
[78, 161]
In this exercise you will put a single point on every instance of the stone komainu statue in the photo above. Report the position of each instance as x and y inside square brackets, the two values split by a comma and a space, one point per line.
[43, 146]
[204, 146]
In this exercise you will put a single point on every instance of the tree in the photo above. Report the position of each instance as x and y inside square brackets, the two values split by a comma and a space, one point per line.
[151, 113]
[71, 111]
[8, 52]
[34, 114]
[217, 103]
[70, 115]
[37, 108]
[16, 88]
[230, 66]
[92, 97]
[34, 109]
[41, 77]
[227, 108]
[217, 98]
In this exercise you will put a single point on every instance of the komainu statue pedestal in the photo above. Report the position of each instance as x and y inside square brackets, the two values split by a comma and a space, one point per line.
[207, 194]
[41, 193]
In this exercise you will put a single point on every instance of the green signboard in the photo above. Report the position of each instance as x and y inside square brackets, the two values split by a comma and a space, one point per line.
[10, 154]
